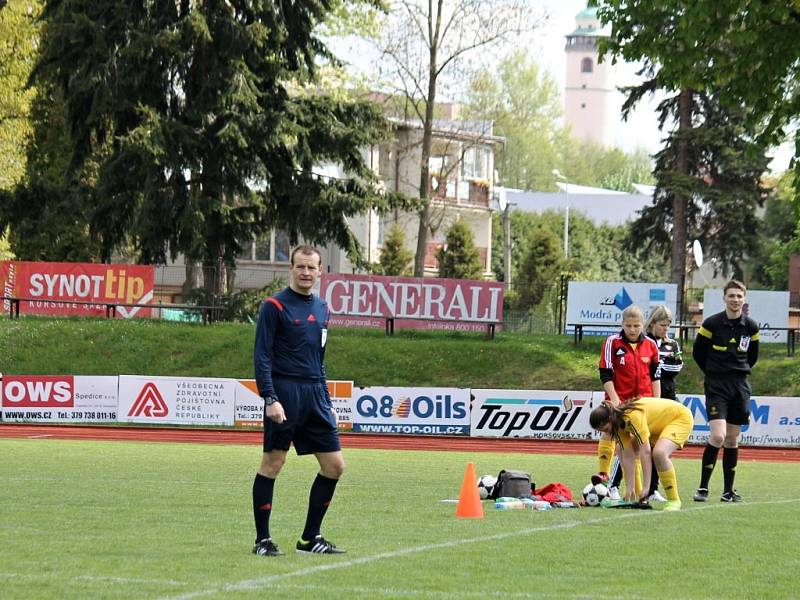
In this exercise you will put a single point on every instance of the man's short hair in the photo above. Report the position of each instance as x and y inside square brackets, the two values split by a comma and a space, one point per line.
[734, 283]
[304, 249]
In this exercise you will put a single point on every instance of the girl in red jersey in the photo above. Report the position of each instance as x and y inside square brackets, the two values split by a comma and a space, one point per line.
[629, 369]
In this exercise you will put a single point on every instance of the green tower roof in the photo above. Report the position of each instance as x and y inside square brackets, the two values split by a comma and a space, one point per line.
[587, 13]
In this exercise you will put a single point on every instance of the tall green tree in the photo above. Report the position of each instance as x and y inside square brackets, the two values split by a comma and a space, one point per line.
[721, 180]
[779, 236]
[205, 125]
[430, 47]
[459, 258]
[744, 51]
[395, 257]
[524, 103]
[48, 211]
[18, 44]
[539, 269]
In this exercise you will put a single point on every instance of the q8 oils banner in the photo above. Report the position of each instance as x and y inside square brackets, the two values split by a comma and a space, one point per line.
[49, 288]
[414, 411]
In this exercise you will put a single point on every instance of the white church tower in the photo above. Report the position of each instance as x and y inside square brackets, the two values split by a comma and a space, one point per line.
[590, 99]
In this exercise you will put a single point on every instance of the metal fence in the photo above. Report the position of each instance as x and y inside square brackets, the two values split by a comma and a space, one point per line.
[545, 318]
[181, 278]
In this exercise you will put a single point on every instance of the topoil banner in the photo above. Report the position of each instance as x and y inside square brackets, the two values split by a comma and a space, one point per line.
[542, 414]
[415, 303]
[50, 288]
[416, 411]
[59, 398]
[176, 400]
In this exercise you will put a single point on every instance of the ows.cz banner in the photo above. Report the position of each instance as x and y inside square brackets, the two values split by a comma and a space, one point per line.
[57, 288]
[542, 414]
[176, 400]
[59, 398]
[422, 411]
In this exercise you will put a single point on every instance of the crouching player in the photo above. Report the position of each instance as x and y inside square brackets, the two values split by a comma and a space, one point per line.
[649, 429]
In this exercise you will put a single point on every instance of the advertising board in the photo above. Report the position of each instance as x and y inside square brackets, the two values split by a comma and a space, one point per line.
[250, 406]
[77, 288]
[416, 411]
[176, 400]
[414, 303]
[59, 398]
[599, 304]
[766, 308]
[543, 414]
[774, 421]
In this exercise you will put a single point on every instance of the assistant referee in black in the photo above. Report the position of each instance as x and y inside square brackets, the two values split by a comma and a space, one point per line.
[289, 351]
[726, 349]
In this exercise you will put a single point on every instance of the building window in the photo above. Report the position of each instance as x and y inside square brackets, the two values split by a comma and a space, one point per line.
[475, 164]
[273, 246]
[247, 251]
[283, 247]
[586, 65]
[264, 247]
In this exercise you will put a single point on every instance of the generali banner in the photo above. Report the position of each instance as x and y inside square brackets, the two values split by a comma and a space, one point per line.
[415, 303]
[176, 400]
[52, 288]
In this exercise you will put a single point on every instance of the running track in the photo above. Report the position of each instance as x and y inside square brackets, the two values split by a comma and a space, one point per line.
[353, 440]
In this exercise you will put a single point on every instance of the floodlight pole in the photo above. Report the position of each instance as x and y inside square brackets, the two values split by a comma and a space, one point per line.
[559, 176]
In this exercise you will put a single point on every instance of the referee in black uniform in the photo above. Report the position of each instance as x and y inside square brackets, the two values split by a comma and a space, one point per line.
[726, 349]
[289, 354]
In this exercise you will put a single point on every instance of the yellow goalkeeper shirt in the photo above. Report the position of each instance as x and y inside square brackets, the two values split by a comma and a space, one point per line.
[653, 418]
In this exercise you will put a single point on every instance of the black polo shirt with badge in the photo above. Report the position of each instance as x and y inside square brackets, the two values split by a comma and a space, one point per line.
[726, 346]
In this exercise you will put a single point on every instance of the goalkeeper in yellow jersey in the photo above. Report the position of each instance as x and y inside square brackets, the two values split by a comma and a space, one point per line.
[649, 429]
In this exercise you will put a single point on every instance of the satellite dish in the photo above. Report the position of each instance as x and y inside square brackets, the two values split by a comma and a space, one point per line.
[697, 250]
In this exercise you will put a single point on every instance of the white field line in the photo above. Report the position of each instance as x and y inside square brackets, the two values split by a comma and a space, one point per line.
[260, 582]
[395, 592]
[92, 578]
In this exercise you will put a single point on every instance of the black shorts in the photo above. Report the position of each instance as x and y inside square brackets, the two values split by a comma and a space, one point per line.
[309, 423]
[728, 397]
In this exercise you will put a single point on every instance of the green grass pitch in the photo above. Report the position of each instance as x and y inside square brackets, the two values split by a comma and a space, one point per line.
[173, 521]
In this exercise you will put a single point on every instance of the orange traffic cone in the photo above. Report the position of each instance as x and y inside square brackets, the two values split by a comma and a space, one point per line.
[469, 502]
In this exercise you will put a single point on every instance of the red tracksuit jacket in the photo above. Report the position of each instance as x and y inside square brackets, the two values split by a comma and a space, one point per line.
[631, 370]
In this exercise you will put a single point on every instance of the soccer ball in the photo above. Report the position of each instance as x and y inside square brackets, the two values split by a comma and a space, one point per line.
[486, 485]
[594, 494]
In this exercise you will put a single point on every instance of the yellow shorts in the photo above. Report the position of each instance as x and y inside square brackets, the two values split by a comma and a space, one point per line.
[677, 432]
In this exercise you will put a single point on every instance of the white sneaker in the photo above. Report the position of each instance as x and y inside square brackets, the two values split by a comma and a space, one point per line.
[656, 497]
[613, 493]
